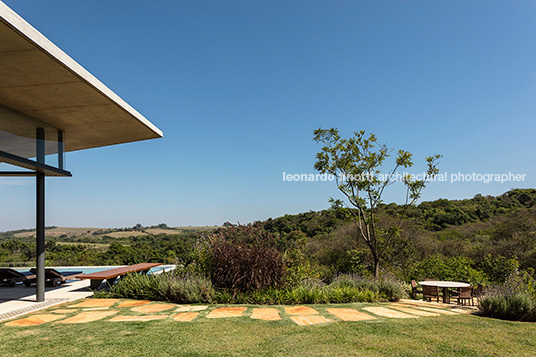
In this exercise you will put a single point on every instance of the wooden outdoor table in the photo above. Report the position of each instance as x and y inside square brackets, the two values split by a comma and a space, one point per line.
[445, 285]
[111, 274]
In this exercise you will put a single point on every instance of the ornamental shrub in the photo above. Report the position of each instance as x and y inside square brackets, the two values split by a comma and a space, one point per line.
[515, 299]
[244, 258]
[517, 307]
[387, 286]
[167, 286]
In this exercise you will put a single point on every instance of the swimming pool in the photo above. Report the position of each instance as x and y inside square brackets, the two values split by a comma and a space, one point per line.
[94, 269]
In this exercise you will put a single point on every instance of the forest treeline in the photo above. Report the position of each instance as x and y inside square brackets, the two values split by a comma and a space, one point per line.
[479, 239]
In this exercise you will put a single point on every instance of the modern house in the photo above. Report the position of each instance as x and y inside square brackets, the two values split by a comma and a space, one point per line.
[50, 105]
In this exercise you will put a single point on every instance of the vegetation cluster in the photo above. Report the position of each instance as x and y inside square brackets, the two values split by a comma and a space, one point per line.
[484, 239]
[244, 264]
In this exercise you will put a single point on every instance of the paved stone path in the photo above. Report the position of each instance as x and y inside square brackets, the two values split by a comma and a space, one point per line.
[117, 310]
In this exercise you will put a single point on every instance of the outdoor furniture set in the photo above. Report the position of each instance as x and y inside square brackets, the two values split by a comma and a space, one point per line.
[463, 293]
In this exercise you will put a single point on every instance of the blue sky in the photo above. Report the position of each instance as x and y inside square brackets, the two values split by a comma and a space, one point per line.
[239, 86]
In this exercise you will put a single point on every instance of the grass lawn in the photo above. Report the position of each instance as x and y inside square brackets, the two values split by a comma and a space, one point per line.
[457, 335]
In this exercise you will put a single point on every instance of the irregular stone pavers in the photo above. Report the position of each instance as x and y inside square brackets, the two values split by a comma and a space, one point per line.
[132, 303]
[34, 320]
[138, 317]
[350, 314]
[385, 312]
[151, 308]
[96, 303]
[87, 316]
[185, 316]
[265, 313]
[416, 311]
[226, 312]
[309, 320]
[300, 310]
[98, 309]
[187, 308]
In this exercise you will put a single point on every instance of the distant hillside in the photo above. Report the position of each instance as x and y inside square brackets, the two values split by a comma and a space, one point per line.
[484, 237]
[78, 233]
[483, 234]
[432, 215]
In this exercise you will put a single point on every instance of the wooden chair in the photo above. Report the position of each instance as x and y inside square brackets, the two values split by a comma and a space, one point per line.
[465, 294]
[429, 292]
[415, 290]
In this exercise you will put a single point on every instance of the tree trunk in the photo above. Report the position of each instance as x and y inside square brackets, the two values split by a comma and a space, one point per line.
[376, 267]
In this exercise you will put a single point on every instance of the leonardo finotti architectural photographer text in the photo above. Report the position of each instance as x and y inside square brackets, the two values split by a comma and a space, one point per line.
[441, 177]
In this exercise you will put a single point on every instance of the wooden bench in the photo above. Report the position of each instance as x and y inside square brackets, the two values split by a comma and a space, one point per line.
[111, 275]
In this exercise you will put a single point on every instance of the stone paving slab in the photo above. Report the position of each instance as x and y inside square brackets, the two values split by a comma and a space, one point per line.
[265, 313]
[426, 308]
[132, 303]
[349, 314]
[96, 303]
[417, 312]
[138, 318]
[63, 311]
[188, 308]
[309, 320]
[439, 311]
[300, 310]
[151, 308]
[185, 316]
[226, 312]
[34, 320]
[88, 316]
[385, 312]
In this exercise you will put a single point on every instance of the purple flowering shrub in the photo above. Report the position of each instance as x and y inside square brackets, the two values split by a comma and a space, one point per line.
[515, 299]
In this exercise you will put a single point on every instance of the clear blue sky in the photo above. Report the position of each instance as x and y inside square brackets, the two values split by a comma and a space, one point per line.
[239, 86]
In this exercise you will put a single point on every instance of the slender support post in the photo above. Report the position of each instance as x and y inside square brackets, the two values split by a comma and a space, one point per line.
[61, 150]
[40, 217]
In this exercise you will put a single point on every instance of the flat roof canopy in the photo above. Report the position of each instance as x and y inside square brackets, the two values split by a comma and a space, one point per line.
[40, 81]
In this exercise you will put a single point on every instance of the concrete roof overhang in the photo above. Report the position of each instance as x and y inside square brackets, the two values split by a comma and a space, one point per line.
[40, 81]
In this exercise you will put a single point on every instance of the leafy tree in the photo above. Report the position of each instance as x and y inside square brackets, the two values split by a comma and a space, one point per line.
[355, 163]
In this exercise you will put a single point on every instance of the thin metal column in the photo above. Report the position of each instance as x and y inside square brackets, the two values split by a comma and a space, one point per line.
[61, 150]
[40, 217]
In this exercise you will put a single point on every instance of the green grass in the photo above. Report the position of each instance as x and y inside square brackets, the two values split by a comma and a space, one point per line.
[460, 335]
